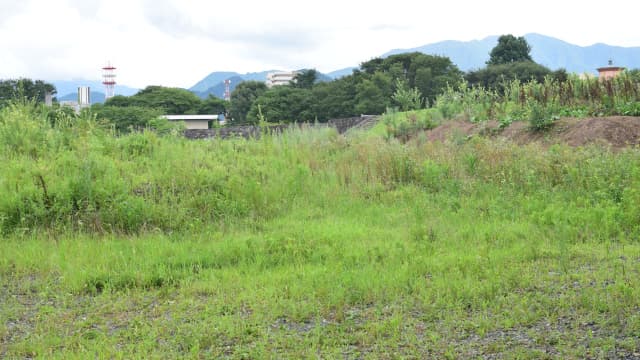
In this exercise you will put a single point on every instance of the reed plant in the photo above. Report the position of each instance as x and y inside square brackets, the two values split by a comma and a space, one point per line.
[575, 96]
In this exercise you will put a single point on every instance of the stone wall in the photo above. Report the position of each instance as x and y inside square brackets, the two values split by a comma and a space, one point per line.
[231, 131]
[251, 131]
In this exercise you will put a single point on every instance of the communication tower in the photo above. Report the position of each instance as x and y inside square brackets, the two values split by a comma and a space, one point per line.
[109, 80]
[227, 89]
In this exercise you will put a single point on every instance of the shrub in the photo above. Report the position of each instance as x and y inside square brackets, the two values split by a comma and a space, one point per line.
[540, 117]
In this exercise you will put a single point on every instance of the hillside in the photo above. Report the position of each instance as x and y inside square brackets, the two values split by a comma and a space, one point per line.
[548, 51]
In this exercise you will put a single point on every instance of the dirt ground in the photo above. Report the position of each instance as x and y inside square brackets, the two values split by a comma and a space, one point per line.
[615, 131]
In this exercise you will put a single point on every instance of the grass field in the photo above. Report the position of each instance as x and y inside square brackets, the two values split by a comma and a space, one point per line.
[313, 245]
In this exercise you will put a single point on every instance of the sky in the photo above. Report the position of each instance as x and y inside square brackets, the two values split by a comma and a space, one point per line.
[179, 42]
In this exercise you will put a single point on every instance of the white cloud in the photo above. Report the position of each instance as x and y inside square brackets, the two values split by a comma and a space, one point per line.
[176, 43]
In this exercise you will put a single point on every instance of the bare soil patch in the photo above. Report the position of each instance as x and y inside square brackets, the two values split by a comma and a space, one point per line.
[614, 131]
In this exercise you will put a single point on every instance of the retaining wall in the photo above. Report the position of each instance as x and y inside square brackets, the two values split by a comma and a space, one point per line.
[252, 131]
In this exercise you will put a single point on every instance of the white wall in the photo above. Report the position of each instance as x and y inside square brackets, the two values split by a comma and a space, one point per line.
[196, 124]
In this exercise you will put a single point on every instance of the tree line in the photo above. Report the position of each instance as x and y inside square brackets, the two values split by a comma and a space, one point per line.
[405, 81]
[368, 90]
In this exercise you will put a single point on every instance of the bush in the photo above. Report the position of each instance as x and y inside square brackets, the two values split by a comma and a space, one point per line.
[127, 119]
[404, 125]
[540, 117]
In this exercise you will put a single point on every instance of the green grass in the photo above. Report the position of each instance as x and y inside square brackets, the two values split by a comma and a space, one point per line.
[313, 245]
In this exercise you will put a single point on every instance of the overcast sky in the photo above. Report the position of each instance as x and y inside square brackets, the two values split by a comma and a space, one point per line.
[178, 42]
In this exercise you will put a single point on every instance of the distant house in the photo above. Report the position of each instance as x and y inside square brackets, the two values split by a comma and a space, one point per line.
[196, 122]
[280, 78]
[609, 72]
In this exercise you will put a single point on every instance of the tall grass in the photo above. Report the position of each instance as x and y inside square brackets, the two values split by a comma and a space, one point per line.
[541, 102]
[309, 244]
[79, 177]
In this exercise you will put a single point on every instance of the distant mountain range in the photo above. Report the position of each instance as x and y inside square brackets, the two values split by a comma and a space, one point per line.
[548, 51]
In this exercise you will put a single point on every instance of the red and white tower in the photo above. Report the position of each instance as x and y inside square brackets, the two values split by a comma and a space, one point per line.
[109, 80]
[227, 89]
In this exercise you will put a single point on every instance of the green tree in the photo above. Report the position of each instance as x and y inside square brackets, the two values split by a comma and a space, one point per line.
[243, 97]
[120, 101]
[373, 65]
[510, 49]
[17, 89]
[305, 79]
[373, 94]
[335, 99]
[406, 98]
[126, 119]
[495, 76]
[283, 104]
[213, 105]
[430, 74]
[167, 100]
[171, 100]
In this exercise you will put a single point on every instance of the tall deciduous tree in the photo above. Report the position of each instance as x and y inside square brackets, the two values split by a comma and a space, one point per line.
[430, 74]
[243, 97]
[282, 104]
[213, 105]
[305, 78]
[373, 94]
[126, 118]
[510, 49]
[495, 76]
[171, 100]
[335, 99]
[167, 100]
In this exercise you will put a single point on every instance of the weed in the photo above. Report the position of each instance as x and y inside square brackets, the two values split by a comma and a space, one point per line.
[310, 244]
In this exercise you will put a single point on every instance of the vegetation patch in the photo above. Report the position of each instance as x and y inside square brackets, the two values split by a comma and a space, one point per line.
[309, 243]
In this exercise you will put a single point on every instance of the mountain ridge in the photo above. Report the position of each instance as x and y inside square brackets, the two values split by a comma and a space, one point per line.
[546, 50]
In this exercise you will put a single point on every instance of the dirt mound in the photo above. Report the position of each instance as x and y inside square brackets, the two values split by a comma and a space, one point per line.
[615, 131]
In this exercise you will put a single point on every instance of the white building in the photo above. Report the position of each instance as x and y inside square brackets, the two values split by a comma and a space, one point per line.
[83, 102]
[280, 78]
[84, 97]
